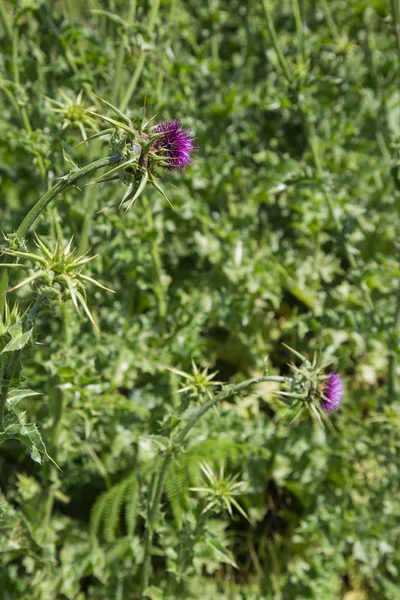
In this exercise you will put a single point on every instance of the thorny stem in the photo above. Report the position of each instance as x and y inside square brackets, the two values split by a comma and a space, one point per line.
[63, 183]
[41, 204]
[12, 364]
[155, 499]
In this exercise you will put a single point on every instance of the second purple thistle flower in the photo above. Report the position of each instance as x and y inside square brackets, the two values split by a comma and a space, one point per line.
[333, 392]
[175, 145]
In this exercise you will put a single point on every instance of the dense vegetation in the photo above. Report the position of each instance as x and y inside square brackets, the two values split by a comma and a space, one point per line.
[283, 232]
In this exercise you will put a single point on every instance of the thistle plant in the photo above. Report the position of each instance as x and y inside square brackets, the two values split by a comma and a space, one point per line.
[59, 269]
[199, 384]
[140, 149]
[143, 147]
[73, 113]
[312, 389]
[284, 228]
[220, 491]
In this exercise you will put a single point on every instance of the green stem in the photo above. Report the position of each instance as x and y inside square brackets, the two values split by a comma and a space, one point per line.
[396, 20]
[90, 202]
[41, 204]
[21, 108]
[299, 28]
[228, 392]
[275, 42]
[157, 265]
[119, 64]
[4, 19]
[142, 59]
[329, 19]
[392, 377]
[14, 359]
[63, 183]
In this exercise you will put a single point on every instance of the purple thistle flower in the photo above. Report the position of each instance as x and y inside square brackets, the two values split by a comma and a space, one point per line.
[333, 392]
[175, 145]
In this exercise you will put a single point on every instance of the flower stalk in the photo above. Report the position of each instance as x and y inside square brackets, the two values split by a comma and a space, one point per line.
[61, 185]
[228, 392]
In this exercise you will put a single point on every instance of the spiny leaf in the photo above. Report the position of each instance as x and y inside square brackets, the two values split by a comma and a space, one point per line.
[16, 395]
[19, 339]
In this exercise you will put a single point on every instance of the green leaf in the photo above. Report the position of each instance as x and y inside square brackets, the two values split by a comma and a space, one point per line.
[72, 165]
[35, 455]
[161, 441]
[28, 434]
[19, 338]
[3, 289]
[16, 395]
[222, 554]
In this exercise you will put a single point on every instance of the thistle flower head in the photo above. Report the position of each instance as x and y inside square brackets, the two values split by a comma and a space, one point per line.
[313, 389]
[140, 147]
[175, 144]
[333, 392]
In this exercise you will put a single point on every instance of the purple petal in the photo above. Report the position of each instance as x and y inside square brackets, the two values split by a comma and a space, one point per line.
[175, 145]
[333, 392]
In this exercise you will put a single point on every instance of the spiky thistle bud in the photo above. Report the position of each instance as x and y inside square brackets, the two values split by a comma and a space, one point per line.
[141, 147]
[312, 389]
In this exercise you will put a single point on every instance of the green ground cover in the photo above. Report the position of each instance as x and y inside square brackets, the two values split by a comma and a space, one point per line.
[283, 230]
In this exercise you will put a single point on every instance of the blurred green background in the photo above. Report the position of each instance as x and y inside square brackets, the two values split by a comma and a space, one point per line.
[284, 230]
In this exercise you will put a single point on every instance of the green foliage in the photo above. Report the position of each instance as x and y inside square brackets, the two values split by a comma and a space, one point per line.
[283, 230]
[106, 512]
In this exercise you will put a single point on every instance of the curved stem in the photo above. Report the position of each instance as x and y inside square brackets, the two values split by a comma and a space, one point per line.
[41, 204]
[63, 183]
[228, 392]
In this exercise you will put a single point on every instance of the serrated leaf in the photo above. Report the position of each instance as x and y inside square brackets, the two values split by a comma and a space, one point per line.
[222, 554]
[30, 436]
[35, 455]
[32, 432]
[16, 395]
[72, 165]
[161, 441]
[18, 340]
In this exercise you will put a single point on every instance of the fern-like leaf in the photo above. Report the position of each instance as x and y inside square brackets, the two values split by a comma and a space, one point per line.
[108, 509]
[131, 505]
[112, 511]
[176, 487]
[97, 513]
